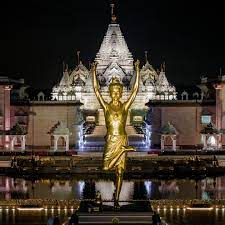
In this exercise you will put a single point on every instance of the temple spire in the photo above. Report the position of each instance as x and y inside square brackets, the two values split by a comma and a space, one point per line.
[146, 56]
[220, 71]
[78, 57]
[64, 66]
[163, 67]
[113, 16]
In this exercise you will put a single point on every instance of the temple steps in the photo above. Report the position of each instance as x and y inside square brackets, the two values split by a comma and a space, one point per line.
[95, 141]
[101, 131]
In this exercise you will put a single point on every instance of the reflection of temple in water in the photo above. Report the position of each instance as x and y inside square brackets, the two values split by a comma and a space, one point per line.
[168, 186]
[213, 188]
[61, 189]
[131, 190]
[11, 188]
[107, 188]
[67, 189]
[168, 189]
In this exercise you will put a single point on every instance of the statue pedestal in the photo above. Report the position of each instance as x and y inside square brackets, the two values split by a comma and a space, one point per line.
[135, 212]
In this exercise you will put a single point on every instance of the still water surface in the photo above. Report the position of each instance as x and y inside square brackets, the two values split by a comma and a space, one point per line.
[73, 188]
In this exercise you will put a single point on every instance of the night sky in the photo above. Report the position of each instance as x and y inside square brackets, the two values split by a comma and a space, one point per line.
[36, 36]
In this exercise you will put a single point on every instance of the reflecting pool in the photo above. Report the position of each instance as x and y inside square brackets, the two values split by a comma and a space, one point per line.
[65, 188]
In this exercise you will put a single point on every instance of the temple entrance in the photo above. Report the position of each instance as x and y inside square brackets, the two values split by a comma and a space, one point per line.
[61, 142]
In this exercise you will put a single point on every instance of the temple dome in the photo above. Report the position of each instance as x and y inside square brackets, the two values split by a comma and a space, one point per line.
[80, 72]
[148, 73]
[162, 84]
[114, 50]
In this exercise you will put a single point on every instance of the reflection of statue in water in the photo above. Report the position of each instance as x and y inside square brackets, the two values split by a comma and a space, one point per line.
[115, 112]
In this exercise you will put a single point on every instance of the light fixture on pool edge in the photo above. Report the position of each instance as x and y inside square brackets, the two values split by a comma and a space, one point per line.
[30, 209]
[189, 208]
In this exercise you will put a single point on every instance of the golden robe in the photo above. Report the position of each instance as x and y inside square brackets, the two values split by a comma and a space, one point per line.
[113, 147]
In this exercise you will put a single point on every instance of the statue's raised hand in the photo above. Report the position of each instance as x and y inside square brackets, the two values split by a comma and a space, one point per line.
[137, 63]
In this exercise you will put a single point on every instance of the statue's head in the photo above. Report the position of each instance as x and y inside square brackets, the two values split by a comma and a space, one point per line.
[115, 89]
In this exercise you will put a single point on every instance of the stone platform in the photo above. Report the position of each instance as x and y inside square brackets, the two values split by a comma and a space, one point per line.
[137, 212]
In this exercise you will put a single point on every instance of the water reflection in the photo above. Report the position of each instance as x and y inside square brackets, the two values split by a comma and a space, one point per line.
[10, 188]
[184, 217]
[213, 188]
[17, 188]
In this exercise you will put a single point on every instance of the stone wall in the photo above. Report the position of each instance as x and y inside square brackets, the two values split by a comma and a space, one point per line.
[43, 116]
[186, 119]
[223, 112]
[2, 107]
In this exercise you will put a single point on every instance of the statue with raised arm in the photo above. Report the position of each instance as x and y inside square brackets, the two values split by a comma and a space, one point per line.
[116, 147]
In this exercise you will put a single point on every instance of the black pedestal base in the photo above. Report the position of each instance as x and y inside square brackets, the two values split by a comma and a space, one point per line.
[138, 212]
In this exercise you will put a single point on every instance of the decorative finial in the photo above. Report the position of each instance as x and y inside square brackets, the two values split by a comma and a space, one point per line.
[66, 69]
[63, 66]
[78, 57]
[146, 56]
[220, 71]
[163, 67]
[113, 16]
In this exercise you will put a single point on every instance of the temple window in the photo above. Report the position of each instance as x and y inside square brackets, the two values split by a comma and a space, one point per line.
[171, 97]
[206, 119]
[162, 97]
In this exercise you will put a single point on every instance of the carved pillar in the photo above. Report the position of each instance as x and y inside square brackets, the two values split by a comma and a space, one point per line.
[23, 142]
[162, 142]
[67, 142]
[6, 112]
[219, 141]
[7, 89]
[174, 142]
[79, 139]
[218, 88]
[148, 135]
[101, 117]
[11, 145]
[204, 139]
[56, 142]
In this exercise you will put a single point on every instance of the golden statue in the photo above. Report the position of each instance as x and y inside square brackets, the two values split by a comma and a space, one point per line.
[116, 147]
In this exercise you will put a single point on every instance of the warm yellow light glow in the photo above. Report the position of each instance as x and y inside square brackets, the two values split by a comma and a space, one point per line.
[210, 208]
[30, 209]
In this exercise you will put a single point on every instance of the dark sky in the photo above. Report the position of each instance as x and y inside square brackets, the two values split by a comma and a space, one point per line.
[36, 36]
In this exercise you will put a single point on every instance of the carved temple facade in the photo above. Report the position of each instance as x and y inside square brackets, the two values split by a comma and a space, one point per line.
[114, 60]
[73, 100]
